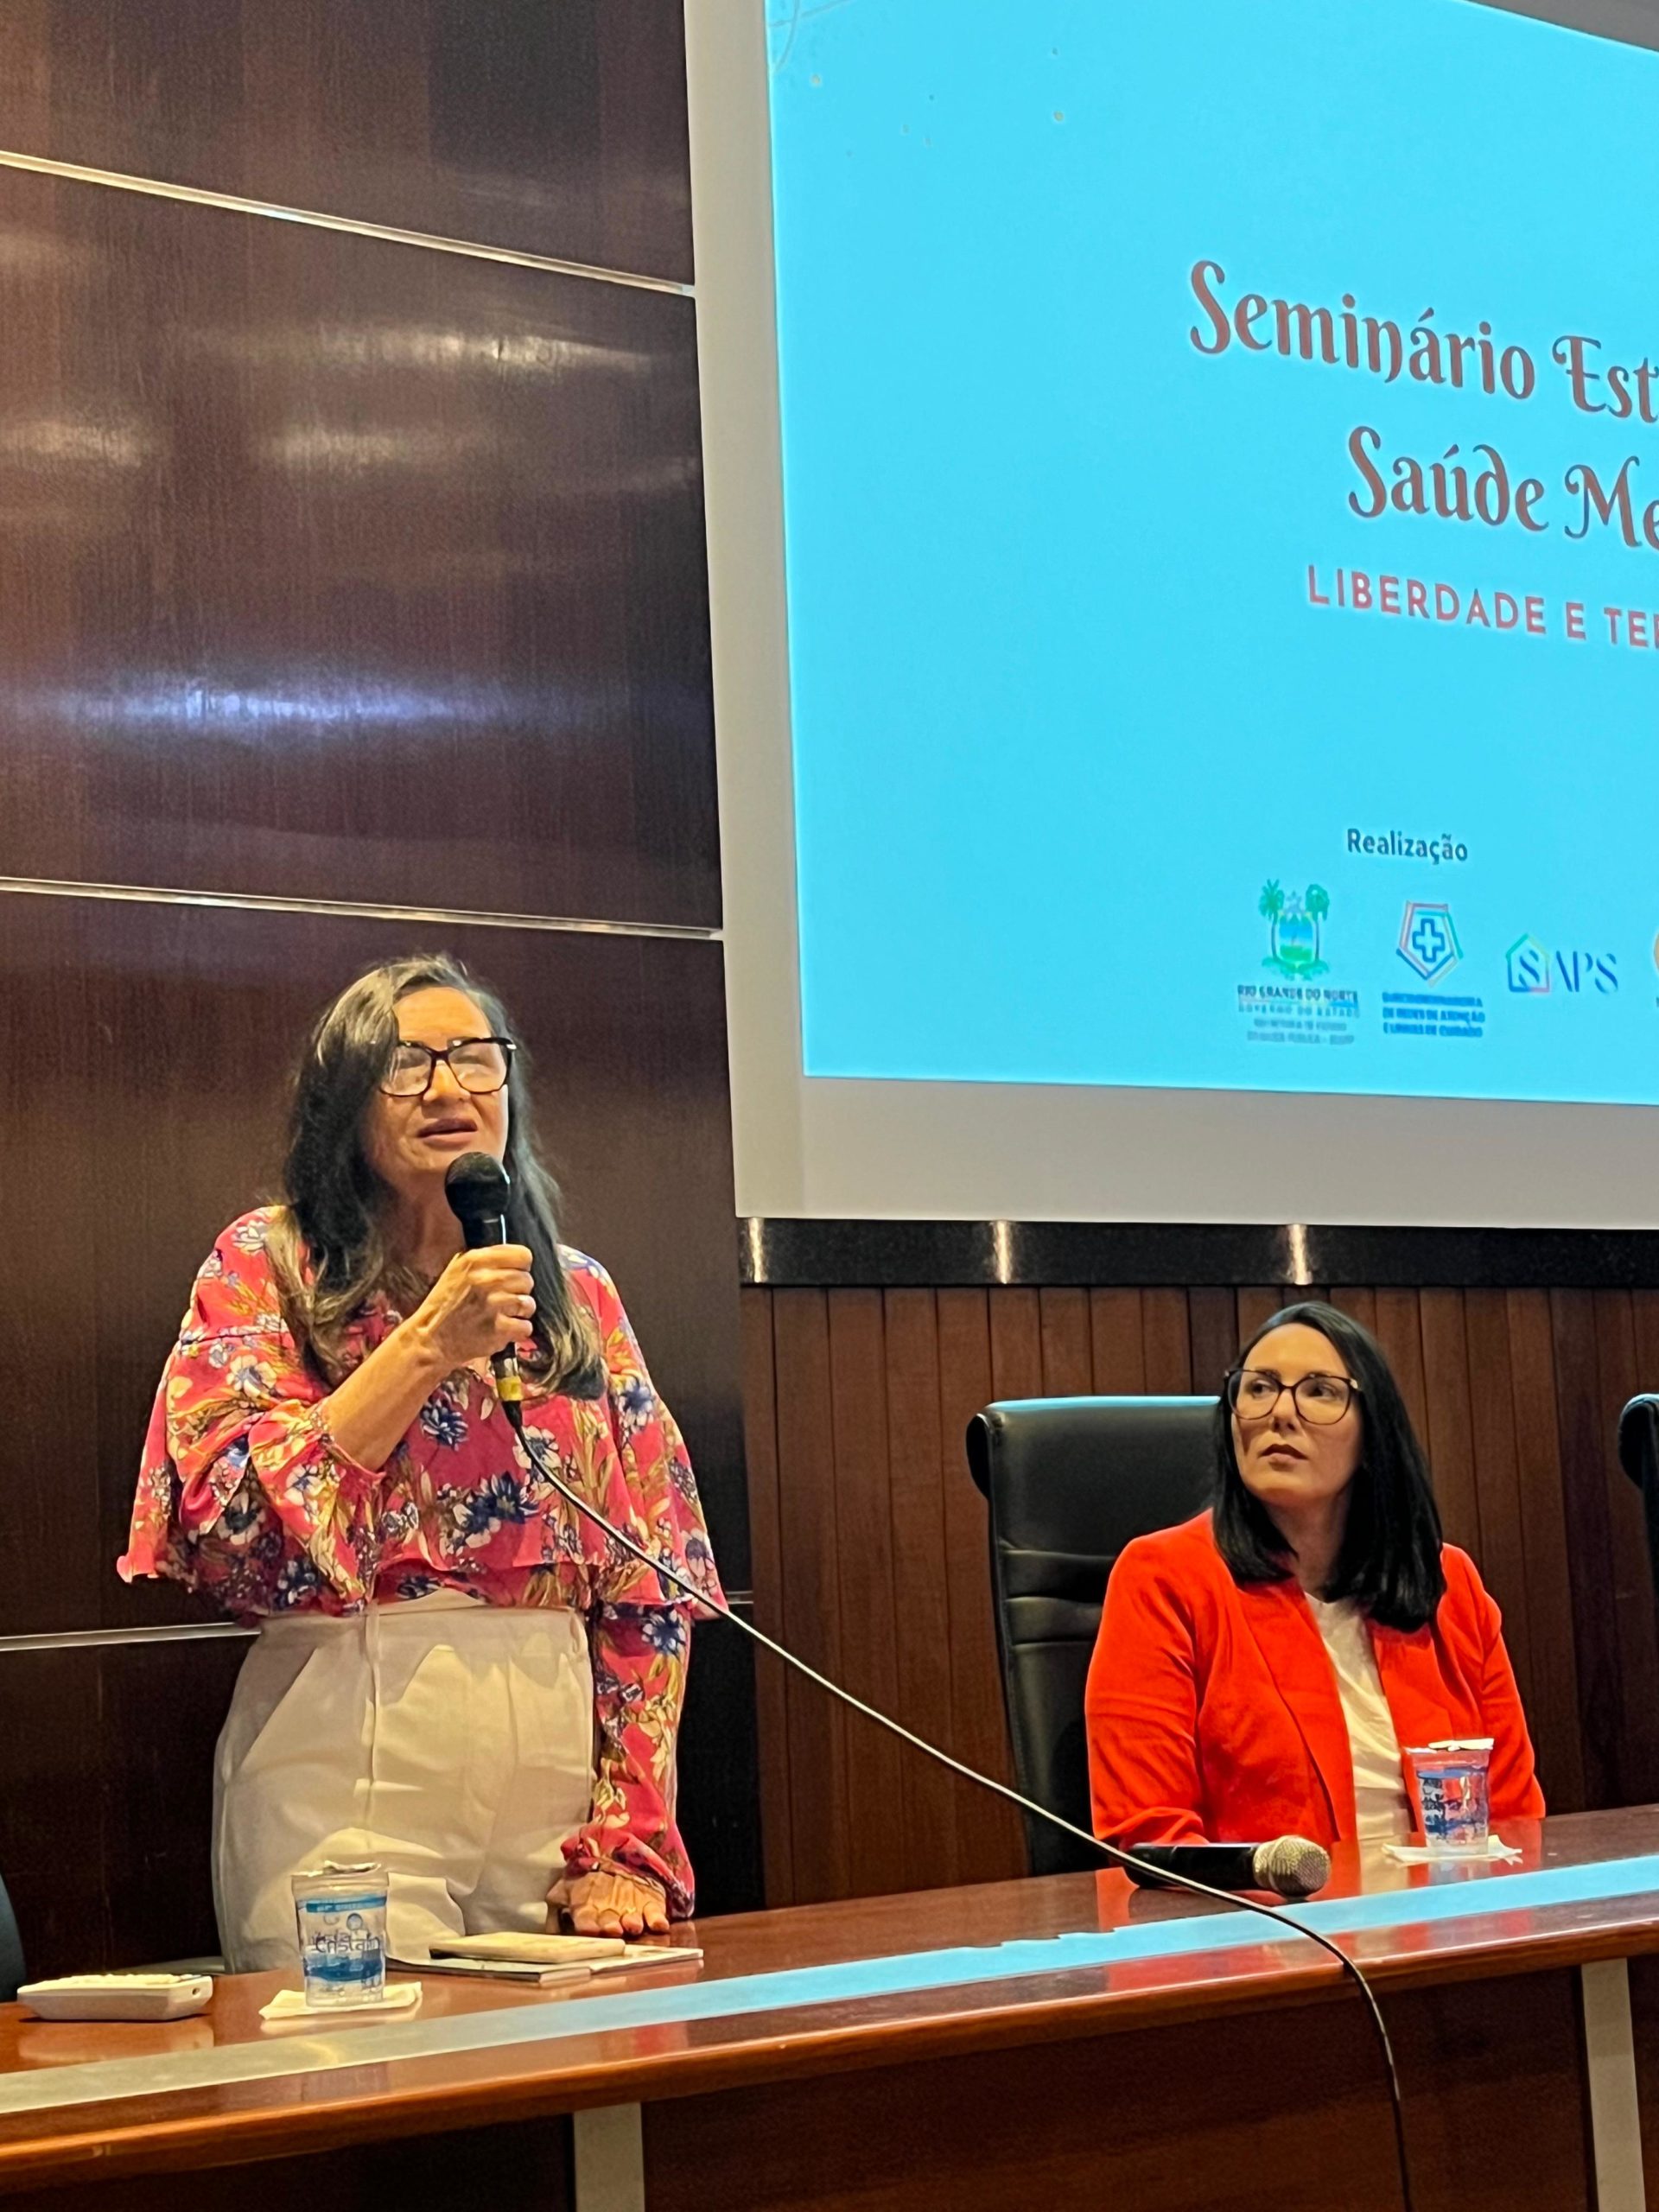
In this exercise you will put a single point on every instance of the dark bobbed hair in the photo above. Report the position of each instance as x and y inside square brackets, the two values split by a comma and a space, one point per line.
[1390, 1555]
[330, 1241]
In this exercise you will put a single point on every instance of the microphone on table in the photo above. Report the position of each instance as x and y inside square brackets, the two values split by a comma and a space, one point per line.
[1290, 1867]
[479, 1188]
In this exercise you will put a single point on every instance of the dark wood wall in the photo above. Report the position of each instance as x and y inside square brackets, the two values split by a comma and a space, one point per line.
[352, 600]
[870, 1554]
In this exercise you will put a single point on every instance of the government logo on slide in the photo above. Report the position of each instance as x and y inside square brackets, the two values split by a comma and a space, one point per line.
[1294, 928]
[1428, 939]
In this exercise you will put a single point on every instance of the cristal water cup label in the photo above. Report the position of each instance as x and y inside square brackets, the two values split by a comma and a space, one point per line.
[342, 1932]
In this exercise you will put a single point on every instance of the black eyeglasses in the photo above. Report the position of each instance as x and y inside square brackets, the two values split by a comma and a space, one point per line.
[479, 1065]
[1254, 1392]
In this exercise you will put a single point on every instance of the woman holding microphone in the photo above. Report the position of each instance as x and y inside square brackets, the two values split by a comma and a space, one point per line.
[456, 1674]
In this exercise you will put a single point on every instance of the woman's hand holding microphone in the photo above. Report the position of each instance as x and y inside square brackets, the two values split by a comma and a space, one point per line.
[483, 1302]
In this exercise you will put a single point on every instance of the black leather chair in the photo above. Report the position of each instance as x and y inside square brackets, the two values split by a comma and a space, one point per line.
[1068, 1481]
[1638, 1454]
[11, 1951]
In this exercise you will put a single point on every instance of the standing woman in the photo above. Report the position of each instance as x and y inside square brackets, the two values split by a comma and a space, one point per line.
[455, 1674]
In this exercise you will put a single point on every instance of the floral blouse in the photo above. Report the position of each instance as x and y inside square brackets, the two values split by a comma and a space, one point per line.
[244, 1494]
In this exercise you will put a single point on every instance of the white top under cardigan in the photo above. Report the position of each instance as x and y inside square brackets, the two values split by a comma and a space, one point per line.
[1383, 1809]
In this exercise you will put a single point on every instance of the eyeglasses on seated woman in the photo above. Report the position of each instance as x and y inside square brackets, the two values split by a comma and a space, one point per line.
[1258, 1667]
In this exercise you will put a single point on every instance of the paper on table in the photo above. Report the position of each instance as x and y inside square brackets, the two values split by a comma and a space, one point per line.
[649, 1955]
[530, 1950]
[521, 1970]
[290, 2005]
[526, 1967]
[1419, 1854]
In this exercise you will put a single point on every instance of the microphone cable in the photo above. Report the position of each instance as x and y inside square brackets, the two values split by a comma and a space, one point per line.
[1111, 1852]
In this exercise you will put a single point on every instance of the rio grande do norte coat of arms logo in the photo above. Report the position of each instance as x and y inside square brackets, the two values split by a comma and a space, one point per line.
[1294, 920]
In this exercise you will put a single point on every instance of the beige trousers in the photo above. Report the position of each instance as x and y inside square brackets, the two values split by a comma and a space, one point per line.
[451, 1741]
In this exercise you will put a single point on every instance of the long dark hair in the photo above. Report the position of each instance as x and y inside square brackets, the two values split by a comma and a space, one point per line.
[1390, 1555]
[330, 1241]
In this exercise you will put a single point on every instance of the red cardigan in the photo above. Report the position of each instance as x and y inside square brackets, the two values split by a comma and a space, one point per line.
[1213, 1712]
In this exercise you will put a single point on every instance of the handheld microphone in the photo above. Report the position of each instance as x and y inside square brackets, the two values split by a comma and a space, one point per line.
[1290, 1867]
[479, 1188]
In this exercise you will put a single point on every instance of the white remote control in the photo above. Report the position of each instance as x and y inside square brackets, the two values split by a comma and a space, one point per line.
[118, 1996]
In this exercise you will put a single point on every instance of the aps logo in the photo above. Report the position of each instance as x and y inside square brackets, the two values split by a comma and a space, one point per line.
[1536, 972]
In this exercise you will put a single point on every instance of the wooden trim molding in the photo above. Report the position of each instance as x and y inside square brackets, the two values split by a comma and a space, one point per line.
[777, 1254]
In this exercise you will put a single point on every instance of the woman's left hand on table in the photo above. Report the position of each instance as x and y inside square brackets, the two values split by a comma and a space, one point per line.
[605, 1903]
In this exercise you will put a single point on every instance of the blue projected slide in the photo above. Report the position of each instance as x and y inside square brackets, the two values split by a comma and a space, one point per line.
[1220, 472]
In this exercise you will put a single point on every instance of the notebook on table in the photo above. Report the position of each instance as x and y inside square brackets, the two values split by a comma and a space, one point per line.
[544, 1961]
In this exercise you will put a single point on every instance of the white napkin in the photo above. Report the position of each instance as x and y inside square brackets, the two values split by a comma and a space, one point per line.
[1419, 1854]
[290, 2005]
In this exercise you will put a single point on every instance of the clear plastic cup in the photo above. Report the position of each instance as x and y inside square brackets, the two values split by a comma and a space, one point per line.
[341, 1917]
[1452, 1796]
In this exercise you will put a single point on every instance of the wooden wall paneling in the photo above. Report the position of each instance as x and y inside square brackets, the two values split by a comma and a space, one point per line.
[989, 1842]
[556, 130]
[1184, 2118]
[1014, 1318]
[508, 2166]
[53, 1807]
[1062, 1325]
[806, 1480]
[50, 1514]
[766, 1552]
[1584, 1489]
[1016, 1343]
[719, 1806]
[1258, 1305]
[1117, 1338]
[425, 623]
[1548, 1552]
[1644, 1317]
[923, 1638]
[863, 1500]
[1630, 1576]
[1358, 1303]
[1448, 1437]
[1212, 1318]
[1164, 1322]
[162, 1704]
[1400, 1332]
[1645, 2027]
[1502, 1551]
[1645, 1378]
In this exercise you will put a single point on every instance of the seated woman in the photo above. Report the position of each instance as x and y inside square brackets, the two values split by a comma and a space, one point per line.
[1258, 1667]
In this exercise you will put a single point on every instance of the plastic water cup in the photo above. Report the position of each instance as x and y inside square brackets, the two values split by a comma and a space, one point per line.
[1452, 1796]
[341, 1917]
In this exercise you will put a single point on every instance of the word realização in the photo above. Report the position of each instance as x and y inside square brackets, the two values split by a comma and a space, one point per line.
[1397, 845]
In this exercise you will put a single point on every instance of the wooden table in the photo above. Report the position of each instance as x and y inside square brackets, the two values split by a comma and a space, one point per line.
[1136, 2049]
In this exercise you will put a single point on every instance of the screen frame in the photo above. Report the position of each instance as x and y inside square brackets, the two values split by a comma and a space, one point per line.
[852, 1149]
